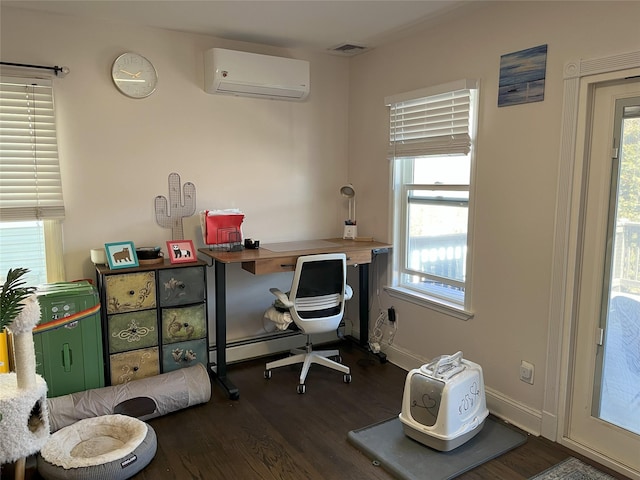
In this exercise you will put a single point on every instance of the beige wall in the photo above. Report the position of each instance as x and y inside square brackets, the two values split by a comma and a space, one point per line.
[517, 169]
[281, 162]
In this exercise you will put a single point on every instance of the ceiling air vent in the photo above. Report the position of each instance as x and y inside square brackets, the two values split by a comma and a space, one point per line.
[348, 49]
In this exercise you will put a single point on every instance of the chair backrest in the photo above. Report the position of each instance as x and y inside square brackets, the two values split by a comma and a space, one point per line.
[318, 292]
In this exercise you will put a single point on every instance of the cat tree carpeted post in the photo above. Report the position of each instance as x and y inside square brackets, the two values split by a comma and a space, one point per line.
[26, 358]
[24, 418]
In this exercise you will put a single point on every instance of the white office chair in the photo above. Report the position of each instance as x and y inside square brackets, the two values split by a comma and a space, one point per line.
[316, 303]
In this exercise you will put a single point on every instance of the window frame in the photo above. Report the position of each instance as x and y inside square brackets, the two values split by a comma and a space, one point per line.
[402, 182]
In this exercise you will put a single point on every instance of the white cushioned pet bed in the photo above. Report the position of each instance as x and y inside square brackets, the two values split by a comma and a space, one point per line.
[107, 447]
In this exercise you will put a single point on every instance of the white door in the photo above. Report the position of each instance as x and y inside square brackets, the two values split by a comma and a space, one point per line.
[605, 397]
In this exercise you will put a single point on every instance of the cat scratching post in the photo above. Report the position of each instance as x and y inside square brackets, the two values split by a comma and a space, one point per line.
[24, 418]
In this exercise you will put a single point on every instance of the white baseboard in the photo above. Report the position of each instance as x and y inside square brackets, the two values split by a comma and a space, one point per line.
[549, 426]
[513, 412]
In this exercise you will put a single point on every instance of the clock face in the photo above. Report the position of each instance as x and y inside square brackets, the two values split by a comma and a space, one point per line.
[134, 75]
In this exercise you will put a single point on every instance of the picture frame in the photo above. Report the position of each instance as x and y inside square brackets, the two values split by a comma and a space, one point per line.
[121, 255]
[181, 251]
[522, 76]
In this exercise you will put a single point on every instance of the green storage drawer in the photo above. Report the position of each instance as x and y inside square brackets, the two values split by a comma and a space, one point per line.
[184, 323]
[129, 331]
[68, 339]
[181, 286]
[184, 354]
[134, 365]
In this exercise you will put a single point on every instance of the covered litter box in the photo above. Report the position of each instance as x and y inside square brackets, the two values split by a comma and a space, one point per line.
[444, 404]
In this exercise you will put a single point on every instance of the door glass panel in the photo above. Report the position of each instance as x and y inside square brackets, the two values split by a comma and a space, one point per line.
[617, 393]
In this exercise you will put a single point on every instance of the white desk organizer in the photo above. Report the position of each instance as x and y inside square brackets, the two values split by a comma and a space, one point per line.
[350, 232]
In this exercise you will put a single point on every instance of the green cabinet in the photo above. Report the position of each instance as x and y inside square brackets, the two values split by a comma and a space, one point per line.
[68, 339]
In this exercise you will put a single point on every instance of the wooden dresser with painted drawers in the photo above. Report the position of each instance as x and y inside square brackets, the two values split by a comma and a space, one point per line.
[154, 319]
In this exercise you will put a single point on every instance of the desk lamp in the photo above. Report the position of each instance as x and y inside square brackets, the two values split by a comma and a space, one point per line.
[350, 227]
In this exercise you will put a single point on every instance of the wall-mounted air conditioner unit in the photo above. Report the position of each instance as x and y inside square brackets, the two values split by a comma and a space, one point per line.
[230, 72]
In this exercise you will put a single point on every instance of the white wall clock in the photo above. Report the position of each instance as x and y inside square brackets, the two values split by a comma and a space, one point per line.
[134, 75]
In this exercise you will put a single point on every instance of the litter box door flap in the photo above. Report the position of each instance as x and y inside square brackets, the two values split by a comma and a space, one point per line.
[426, 397]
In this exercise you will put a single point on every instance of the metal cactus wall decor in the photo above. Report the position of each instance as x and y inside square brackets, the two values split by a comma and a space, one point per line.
[170, 214]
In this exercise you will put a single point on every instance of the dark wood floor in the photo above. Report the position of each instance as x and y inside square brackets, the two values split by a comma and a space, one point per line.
[272, 432]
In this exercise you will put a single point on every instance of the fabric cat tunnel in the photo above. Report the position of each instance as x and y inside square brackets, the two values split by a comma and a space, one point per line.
[143, 399]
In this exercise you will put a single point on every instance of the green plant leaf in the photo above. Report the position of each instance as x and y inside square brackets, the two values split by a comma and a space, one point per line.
[12, 293]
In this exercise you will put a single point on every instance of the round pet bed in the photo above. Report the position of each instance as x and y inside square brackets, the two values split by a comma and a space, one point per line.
[107, 447]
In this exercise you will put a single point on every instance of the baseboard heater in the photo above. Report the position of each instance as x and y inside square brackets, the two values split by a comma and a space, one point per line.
[266, 345]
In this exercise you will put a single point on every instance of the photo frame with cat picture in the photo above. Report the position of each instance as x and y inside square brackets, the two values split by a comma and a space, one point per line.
[181, 251]
[121, 255]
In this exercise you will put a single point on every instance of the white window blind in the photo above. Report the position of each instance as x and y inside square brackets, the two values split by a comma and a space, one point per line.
[30, 183]
[431, 121]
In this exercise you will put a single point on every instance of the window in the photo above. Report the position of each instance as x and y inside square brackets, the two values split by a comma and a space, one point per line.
[431, 146]
[31, 207]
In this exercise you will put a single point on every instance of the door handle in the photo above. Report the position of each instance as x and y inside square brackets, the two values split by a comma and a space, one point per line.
[66, 357]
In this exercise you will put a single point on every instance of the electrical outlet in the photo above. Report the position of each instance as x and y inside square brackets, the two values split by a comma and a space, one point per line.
[526, 372]
[391, 314]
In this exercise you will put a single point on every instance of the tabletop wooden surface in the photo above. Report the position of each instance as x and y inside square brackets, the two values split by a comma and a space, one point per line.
[296, 248]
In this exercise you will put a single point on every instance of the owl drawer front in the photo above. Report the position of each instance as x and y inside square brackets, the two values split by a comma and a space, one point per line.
[130, 291]
[130, 331]
[185, 323]
[184, 354]
[134, 365]
[181, 286]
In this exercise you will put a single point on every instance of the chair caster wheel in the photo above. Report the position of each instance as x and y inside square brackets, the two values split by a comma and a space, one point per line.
[347, 378]
[301, 388]
[267, 374]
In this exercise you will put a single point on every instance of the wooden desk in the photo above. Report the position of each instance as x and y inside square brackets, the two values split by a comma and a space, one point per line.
[282, 257]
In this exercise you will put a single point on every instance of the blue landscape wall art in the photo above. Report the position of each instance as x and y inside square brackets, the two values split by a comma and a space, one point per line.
[522, 76]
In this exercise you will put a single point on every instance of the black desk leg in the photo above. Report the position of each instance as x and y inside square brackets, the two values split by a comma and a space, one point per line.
[221, 331]
[363, 273]
[363, 308]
